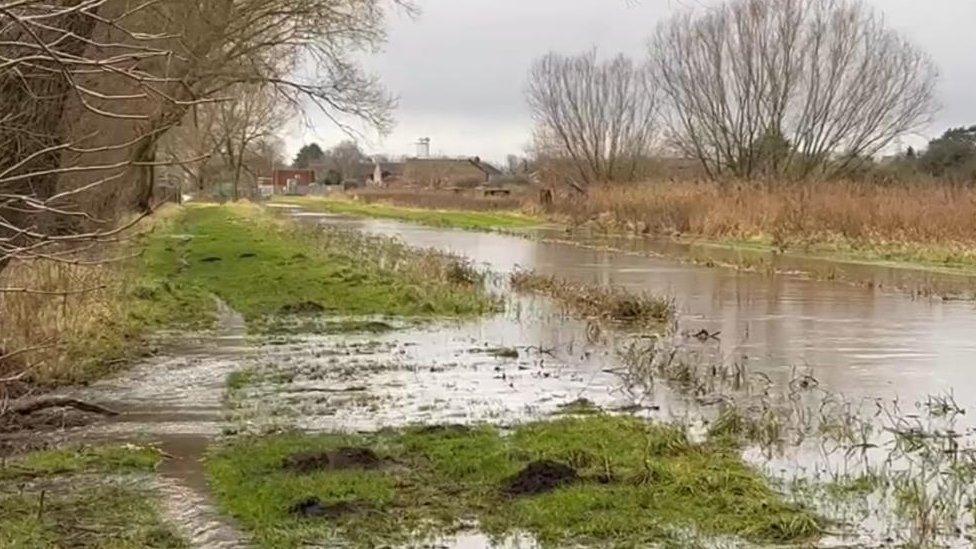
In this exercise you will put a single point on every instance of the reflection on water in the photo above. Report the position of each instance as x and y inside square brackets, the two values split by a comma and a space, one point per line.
[862, 340]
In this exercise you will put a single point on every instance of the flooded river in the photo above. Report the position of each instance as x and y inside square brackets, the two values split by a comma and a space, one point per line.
[870, 338]
[864, 338]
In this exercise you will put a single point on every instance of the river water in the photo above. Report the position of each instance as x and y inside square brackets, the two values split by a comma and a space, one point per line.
[871, 335]
[868, 336]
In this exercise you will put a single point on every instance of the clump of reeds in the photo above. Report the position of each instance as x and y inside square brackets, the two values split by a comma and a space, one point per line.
[59, 321]
[595, 301]
[390, 254]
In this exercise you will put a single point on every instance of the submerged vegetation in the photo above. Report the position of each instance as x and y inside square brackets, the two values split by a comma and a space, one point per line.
[594, 480]
[461, 219]
[49, 499]
[598, 302]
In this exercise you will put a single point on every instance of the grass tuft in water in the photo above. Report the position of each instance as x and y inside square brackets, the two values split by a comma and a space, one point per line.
[597, 301]
[82, 459]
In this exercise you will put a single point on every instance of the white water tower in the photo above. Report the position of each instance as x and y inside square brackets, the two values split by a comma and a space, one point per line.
[423, 147]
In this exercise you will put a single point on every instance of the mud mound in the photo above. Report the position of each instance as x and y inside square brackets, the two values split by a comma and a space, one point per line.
[540, 477]
[447, 429]
[46, 420]
[313, 508]
[302, 308]
[343, 458]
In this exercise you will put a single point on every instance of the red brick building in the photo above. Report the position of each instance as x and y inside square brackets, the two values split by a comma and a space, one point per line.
[281, 178]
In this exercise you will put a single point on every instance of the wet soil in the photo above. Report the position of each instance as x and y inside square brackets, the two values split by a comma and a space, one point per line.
[343, 458]
[313, 508]
[540, 477]
[305, 307]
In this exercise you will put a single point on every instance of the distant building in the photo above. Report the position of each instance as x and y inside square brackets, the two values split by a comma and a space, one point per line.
[385, 173]
[451, 172]
[291, 181]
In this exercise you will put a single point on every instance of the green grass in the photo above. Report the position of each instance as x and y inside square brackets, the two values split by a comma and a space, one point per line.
[81, 459]
[436, 218]
[642, 484]
[101, 516]
[44, 502]
[266, 268]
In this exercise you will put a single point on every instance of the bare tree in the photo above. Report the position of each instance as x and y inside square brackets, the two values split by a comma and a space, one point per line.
[252, 116]
[789, 87]
[345, 159]
[599, 116]
[88, 88]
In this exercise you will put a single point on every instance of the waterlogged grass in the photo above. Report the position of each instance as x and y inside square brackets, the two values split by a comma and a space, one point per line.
[593, 301]
[82, 459]
[638, 484]
[45, 501]
[436, 218]
[267, 268]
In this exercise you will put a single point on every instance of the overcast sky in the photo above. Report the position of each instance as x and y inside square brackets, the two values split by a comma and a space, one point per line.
[459, 68]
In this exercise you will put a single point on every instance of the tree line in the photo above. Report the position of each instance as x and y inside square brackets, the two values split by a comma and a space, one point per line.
[785, 89]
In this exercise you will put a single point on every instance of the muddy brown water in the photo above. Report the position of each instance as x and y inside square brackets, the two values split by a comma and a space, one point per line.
[870, 338]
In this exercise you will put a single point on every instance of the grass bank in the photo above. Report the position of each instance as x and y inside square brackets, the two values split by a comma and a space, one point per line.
[51, 499]
[598, 480]
[280, 275]
[461, 219]
[932, 226]
[268, 268]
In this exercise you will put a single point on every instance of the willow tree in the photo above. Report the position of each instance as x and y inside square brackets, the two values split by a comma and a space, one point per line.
[789, 87]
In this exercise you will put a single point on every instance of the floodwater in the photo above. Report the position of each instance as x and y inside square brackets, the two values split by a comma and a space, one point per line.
[866, 337]
[870, 337]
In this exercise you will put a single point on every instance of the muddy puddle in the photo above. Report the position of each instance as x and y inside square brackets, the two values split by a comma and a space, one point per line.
[504, 369]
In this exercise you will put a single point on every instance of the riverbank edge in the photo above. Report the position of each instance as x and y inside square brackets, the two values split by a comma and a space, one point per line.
[847, 254]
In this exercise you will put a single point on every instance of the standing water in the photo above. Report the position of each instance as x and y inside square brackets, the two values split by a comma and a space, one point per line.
[859, 339]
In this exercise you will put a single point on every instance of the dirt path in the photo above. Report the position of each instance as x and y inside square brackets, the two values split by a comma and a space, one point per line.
[176, 401]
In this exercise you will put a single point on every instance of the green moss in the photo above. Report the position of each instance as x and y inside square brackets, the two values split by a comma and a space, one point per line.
[640, 484]
[82, 459]
[435, 218]
[266, 268]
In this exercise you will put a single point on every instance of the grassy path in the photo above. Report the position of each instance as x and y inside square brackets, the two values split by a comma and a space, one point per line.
[436, 218]
[265, 267]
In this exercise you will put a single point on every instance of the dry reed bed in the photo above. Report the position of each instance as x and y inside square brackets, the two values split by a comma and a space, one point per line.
[49, 335]
[65, 321]
[931, 222]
